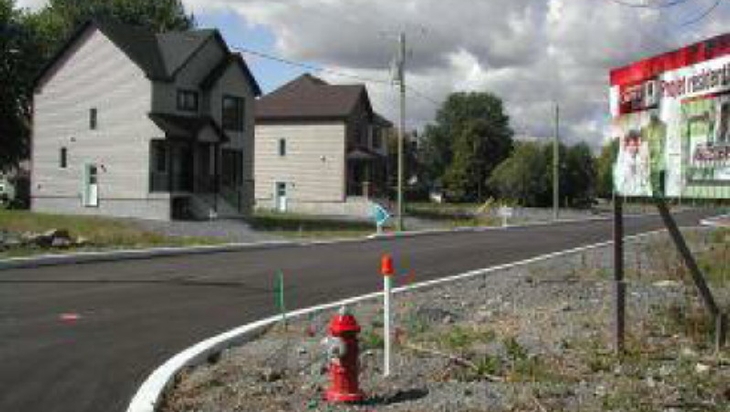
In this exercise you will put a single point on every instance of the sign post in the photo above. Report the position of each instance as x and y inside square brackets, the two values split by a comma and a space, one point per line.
[380, 215]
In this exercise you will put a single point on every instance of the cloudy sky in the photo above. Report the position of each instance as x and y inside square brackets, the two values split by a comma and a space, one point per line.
[532, 53]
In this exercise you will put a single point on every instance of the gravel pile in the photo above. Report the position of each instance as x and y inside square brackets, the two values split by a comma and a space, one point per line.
[533, 338]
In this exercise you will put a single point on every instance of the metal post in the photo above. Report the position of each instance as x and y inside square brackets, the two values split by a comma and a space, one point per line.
[402, 129]
[619, 286]
[556, 165]
[694, 270]
[386, 324]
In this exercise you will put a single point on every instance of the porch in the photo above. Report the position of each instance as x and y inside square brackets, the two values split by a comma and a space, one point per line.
[204, 179]
[366, 174]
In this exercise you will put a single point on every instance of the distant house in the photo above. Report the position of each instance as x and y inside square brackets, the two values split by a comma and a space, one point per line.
[151, 125]
[320, 148]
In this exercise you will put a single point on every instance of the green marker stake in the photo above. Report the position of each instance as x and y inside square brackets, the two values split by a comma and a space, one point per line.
[280, 296]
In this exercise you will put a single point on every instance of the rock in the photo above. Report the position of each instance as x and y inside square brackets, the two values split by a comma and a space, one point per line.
[702, 368]
[60, 242]
[270, 375]
[57, 233]
[650, 382]
[667, 284]
[688, 352]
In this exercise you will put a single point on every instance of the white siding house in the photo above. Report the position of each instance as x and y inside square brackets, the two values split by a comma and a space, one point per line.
[320, 149]
[129, 123]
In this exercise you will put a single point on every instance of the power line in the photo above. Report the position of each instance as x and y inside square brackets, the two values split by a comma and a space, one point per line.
[701, 16]
[321, 69]
[649, 6]
[308, 66]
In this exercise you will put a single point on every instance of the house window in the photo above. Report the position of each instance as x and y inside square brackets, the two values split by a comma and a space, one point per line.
[232, 115]
[282, 147]
[377, 138]
[159, 156]
[63, 158]
[232, 167]
[92, 118]
[187, 100]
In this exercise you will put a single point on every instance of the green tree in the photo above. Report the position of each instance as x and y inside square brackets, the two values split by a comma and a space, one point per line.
[522, 176]
[604, 169]
[470, 137]
[16, 71]
[580, 176]
[527, 175]
[29, 40]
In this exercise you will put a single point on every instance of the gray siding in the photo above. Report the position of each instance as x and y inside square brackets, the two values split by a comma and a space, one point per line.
[94, 74]
[314, 164]
[234, 83]
[189, 77]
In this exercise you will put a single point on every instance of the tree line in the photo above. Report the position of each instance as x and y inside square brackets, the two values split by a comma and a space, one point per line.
[471, 154]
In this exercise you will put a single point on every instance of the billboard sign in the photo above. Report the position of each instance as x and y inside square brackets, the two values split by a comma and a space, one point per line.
[671, 116]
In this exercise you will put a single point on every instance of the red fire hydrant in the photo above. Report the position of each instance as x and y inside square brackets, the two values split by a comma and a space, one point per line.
[343, 353]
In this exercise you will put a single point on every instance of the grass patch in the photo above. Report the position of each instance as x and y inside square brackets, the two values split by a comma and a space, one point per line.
[297, 225]
[100, 232]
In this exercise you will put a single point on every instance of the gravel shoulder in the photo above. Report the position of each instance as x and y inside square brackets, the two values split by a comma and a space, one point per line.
[534, 338]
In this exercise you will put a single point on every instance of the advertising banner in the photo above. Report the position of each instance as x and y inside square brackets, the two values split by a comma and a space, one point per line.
[671, 117]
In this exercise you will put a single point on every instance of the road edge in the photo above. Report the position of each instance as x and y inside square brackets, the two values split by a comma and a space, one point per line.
[36, 261]
[149, 394]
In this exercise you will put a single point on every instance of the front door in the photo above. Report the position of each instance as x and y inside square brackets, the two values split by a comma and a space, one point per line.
[91, 185]
[281, 196]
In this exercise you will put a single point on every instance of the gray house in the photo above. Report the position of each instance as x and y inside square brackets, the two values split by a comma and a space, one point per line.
[320, 148]
[128, 122]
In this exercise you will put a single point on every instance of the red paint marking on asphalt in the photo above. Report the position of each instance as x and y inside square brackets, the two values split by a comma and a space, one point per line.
[69, 317]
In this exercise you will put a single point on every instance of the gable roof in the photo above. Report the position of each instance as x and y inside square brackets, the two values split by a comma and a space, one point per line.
[159, 55]
[309, 97]
[176, 47]
[227, 61]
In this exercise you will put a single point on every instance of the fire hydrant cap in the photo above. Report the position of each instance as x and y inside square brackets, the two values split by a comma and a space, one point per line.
[343, 324]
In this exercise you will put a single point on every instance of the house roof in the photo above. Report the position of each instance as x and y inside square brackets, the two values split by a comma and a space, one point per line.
[186, 127]
[159, 55]
[217, 72]
[309, 97]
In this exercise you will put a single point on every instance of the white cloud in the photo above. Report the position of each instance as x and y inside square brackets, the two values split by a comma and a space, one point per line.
[31, 4]
[531, 53]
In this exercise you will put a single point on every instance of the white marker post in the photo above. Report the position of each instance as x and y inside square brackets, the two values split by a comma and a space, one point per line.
[386, 268]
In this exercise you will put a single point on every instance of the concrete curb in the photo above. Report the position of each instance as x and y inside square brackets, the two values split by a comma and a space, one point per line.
[107, 256]
[149, 394]
[713, 221]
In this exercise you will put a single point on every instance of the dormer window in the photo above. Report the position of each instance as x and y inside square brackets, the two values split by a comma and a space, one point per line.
[187, 100]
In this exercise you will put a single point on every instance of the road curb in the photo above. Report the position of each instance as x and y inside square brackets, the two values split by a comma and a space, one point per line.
[713, 221]
[129, 254]
[108, 256]
[149, 394]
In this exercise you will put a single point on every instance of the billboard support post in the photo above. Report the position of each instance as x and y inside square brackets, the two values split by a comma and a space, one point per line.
[697, 276]
[619, 286]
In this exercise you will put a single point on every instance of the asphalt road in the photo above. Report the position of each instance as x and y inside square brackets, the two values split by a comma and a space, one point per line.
[134, 314]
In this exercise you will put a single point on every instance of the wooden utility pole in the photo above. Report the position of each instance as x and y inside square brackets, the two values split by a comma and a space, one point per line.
[556, 164]
[402, 129]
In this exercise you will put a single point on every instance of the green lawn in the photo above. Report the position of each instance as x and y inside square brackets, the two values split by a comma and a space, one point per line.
[294, 225]
[100, 232]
